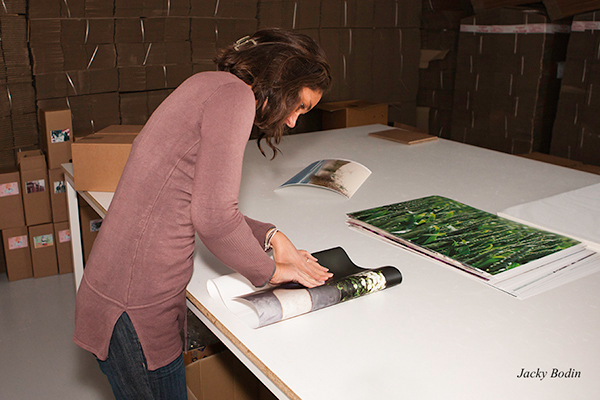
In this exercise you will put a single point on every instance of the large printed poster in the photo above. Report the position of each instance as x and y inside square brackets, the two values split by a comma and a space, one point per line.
[259, 308]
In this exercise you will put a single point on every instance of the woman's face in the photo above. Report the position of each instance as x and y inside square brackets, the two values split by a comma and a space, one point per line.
[308, 99]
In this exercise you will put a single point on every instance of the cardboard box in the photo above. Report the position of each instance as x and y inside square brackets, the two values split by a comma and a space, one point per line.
[79, 57]
[90, 226]
[395, 65]
[404, 134]
[440, 123]
[2, 260]
[290, 15]
[350, 14]
[58, 195]
[194, 355]
[392, 13]
[11, 201]
[547, 158]
[16, 253]
[86, 31]
[43, 250]
[134, 107]
[57, 136]
[153, 77]
[441, 19]
[54, 85]
[559, 9]
[563, 162]
[34, 181]
[64, 251]
[150, 30]
[345, 114]
[429, 55]
[221, 377]
[99, 159]
[359, 74]
[161, 53]
[423, 114]
[404, 112]
[120, 130]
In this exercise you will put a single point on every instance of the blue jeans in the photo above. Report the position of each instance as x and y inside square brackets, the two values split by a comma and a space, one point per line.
[128, 375]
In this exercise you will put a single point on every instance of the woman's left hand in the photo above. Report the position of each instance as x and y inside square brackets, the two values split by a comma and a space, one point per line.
[296, 265]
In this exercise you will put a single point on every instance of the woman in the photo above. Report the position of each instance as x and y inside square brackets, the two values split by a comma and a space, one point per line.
[183, 177]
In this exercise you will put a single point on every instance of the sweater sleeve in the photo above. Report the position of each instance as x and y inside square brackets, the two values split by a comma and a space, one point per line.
[259, 229]
[224, 129]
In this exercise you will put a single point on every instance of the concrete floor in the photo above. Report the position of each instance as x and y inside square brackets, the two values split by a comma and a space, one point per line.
[38, 359]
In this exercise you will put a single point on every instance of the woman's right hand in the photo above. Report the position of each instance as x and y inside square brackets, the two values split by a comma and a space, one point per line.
[293, 265]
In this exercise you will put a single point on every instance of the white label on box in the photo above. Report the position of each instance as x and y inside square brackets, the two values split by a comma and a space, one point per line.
[60, 135]
[95, 225]
[525, 28]
[9, 189]
[582, 26]
[64, 236]
[36, 186]
[43, 241]
[59, 187]
[17, 242]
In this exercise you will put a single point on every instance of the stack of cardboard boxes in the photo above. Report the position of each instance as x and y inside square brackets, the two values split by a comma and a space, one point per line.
[18, 126]
[507, 79]
[33, 213]
[113, 62]
[7, 156]
[576, 134]
[556, 9]
[73, 57]
[373, 52]
[71, 8]
[154, 54]
[439, 46]
[372, 47]
[74, 64]
[217, 25]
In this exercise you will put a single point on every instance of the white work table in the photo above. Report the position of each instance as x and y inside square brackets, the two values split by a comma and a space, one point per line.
[441, 334]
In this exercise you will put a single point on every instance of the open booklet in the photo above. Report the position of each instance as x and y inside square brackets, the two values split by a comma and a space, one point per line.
[511, 256]
[261, 307]
[341, 176]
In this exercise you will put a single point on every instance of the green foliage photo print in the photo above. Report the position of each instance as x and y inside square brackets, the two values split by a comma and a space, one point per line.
[463, 233]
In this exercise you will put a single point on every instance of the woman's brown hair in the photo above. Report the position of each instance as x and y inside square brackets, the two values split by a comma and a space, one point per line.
[277, 64]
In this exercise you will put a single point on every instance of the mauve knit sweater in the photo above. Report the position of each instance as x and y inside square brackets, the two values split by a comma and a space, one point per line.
[182, 176]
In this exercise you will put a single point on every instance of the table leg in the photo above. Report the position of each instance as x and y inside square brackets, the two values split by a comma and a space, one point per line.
[75, 226]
